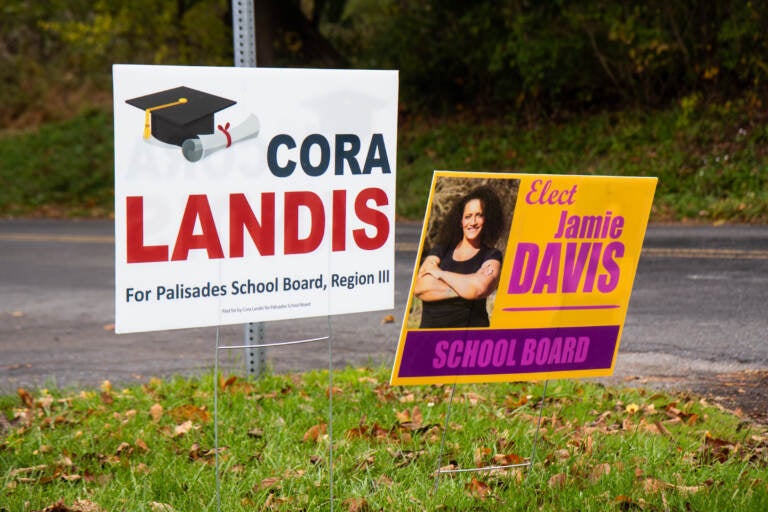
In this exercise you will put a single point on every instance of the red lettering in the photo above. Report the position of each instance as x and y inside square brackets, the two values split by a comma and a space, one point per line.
[373, 217]
[339, 221]
[197, 208]
[137, 252]
[304, 225]
[293, 202]
[241, 216]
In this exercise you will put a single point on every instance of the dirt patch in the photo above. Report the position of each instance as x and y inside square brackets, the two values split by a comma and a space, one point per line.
[742, 392]
[745, 392]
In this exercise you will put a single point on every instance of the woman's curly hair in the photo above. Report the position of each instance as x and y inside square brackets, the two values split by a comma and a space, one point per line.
[451, 232]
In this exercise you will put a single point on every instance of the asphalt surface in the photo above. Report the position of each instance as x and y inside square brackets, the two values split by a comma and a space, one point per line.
[699, 308]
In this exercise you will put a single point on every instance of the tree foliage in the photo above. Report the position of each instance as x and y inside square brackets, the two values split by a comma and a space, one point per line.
[557, 54]
[541, 56]
[54, 55]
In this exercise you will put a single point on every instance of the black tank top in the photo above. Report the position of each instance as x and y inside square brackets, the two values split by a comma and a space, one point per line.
[458, 311]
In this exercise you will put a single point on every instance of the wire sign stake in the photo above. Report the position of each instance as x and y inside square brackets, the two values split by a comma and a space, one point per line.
[529, 464]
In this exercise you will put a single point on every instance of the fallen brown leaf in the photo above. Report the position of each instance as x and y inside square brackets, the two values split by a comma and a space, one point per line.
[511, 403]
[25, 471]
[272, 481]
[653, 485]
[160, 507]
[379, 432]
[408, 398]
[403, 416]
[481, 452]
[156, 412]
[599, 471]
[26, 398]
[59, 506]
[315, 432]
[558, 481]
[473, 398]
[403, 458]
[410, 419]
[142, 445]
[256, 433]
[508, 459]
[366, 462]
[336, 391]
[183, 429]
[384, 393]
[44, 402]
[718, 450]
[478, 488]
[197, 453]
[356, 505]
[87, 506]
[225, 383]
[451, 466]
[124, 449]
[190, 412]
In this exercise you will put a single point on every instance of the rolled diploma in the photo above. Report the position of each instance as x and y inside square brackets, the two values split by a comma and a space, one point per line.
[203, 145]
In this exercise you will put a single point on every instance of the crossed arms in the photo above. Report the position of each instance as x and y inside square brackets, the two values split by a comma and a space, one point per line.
[433, 283]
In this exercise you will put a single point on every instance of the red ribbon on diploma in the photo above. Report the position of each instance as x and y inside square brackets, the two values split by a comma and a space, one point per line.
[225, 130]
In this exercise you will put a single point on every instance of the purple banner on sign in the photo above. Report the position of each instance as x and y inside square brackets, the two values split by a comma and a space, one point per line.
[432, 353]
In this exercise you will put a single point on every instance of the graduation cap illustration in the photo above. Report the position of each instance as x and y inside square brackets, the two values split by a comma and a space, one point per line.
[178, 114]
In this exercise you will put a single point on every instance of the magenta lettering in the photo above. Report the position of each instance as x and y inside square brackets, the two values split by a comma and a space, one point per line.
[470, 353]
[486, 352]
[524, 267]
[607, 282]
[582, 348]
[547, 351]
[439, 360]
[582, 265]
[459, 353]
[541, 192]
[589, 226]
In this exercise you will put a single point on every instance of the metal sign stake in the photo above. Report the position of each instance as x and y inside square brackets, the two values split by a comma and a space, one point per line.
[528, 464]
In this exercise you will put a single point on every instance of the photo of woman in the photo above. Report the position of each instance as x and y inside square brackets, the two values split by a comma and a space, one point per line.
[461, 259]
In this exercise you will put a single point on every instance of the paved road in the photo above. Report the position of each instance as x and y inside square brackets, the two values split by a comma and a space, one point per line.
[699, 306]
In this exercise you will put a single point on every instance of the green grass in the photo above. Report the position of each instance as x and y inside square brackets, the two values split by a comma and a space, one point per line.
[712, 162]
[711, 159]
[60, 169]
[600, 448]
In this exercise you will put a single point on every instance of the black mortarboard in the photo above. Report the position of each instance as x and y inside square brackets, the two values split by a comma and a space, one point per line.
[178, 114]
